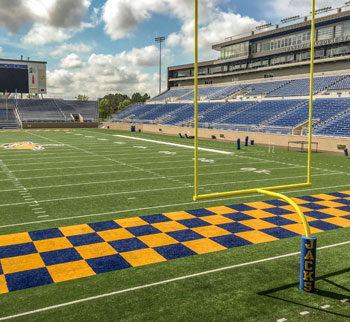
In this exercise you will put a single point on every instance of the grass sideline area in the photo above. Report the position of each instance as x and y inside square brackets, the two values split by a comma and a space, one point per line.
[96, 175]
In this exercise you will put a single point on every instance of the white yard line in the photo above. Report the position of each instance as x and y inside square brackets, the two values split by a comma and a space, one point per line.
[153, 178]
[167, 281]
[173, 144]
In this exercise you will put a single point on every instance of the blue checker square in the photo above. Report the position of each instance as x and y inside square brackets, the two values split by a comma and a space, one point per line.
[143, 230]
[230, 241]
[17, 250]
[201, 212]
[310, 198]
[343, 201]
[317, 214]
[241, 207]
[235, 227]
[346, 217]
[174, 251]
[27, 279]
[319, 224]
[107, 263]
[278, 211]
[104, 225]
[344, 208]
[60, 256]
[193, 223]
[276, 203]
[1, 271]
[185, 235]
[279, 221]
[86, 239]
[127, 245]
[314, 206]
[45, 234]
[279, 232]
[338, 194]
[238, 216]
[153, 219]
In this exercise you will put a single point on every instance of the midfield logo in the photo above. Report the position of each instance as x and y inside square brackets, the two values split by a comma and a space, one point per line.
[26, 146]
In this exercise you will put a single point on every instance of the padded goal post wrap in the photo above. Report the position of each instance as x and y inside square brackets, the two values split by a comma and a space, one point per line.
[308, 264]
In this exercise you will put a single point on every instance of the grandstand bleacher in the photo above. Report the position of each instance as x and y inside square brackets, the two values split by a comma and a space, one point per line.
[281, 106]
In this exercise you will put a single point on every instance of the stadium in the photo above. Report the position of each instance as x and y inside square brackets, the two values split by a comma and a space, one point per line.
[193, 205]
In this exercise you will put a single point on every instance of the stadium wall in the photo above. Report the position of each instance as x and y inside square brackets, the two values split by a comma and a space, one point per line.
[59, 125]
[325, 144]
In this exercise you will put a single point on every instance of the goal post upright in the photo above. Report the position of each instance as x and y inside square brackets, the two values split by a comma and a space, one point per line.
[196, 98]
[312, 57]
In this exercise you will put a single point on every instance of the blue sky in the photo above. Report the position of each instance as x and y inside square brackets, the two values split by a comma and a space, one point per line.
[96, 47]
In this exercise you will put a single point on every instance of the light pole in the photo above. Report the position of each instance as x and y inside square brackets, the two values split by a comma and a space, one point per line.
[160, 40]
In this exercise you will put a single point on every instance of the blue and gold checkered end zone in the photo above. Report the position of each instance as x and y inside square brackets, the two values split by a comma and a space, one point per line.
[60, 254]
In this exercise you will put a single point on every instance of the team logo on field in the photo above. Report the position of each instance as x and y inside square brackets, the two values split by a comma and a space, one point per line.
[23, 146]
[26, 146]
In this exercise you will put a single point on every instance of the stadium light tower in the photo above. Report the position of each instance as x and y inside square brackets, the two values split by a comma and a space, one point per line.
[160, 40]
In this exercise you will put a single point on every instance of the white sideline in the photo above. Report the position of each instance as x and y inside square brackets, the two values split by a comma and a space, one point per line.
[173, 144]
[171, 280]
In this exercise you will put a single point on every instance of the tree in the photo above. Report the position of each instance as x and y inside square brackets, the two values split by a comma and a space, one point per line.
[82, 97]
[124, 104]
[104, 108]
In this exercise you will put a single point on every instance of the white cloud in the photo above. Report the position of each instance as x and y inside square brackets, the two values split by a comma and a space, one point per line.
[72, 61]
[0, 51]
[67, 47]
[104, 74]
[43, 34]
[288, 8]
[51, 20]
[122, 17]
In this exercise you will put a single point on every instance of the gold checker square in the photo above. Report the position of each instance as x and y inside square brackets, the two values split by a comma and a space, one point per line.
[157, 240]
[47, 245]
[256, 236]
[115, 234]
[223, 210]
[3, 285]
[178, 215]
[211, 231]
[330, 204]
[342, 222]
[203, 246]
[95, 250]
[143, 257]
[217, 220]
[21, 263]
[259, 205]
[299, 229]
[257, 224]
[70, 271]
[325, 196]
[169, 226]
[258, 213]
[131, 222]
[334, 212]
[76, 230]
[14, 239]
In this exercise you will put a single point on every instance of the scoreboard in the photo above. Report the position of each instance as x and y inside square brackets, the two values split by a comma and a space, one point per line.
[22, 76]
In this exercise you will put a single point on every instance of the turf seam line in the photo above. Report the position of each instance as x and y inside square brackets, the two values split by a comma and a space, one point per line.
[163, 282]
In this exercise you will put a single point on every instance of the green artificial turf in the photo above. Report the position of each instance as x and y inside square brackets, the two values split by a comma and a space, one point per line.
[91, 178]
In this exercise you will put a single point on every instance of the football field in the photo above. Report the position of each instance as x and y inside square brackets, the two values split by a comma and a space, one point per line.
[70, 178]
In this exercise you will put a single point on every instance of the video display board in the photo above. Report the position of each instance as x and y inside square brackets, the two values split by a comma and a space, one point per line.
[14, 78]
[22, 76]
